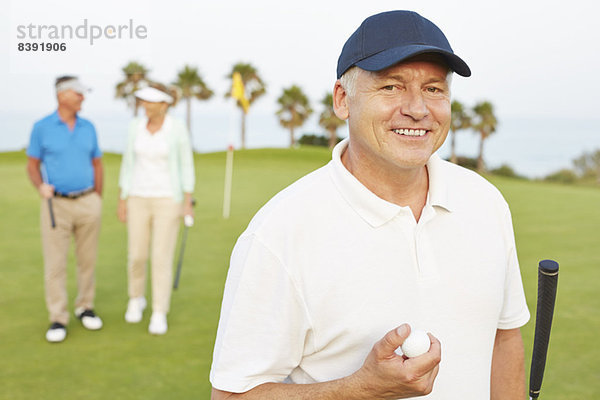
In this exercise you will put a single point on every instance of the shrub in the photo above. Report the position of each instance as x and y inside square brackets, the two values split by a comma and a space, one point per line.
[564, 175]
[467, 162]
[316, 140]
[506, 170]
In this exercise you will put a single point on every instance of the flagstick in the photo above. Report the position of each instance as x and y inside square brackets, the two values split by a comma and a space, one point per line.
[229, 167]
[228, 181]
[237, 93]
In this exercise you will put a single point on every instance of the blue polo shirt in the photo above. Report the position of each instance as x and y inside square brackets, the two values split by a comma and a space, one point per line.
[67, 155]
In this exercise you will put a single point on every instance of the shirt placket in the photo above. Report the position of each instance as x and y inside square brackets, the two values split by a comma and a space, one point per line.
[420, 244]
[424, 251]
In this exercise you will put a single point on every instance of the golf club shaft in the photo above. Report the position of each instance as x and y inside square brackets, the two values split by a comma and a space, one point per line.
[51, 210]
[180, 262]
[182, 249]
[547, 284]
[44, 175]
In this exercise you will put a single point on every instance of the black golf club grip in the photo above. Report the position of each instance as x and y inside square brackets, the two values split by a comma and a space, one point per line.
[547, 284]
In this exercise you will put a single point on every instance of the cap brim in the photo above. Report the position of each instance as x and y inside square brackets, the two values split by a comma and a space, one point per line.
[387, 58]
[152, 95]
[73, 85]
[82, 89]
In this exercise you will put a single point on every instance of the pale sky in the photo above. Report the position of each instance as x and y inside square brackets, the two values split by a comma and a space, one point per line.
[529, 58]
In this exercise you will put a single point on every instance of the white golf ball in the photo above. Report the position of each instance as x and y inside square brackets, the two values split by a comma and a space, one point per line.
[416, 344]
[188, 220]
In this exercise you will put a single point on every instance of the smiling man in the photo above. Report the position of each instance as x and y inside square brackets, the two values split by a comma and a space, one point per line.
[331, 275]
[401, 116]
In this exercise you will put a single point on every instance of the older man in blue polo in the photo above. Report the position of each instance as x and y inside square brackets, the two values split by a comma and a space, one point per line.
[65, 166]
[333, 273]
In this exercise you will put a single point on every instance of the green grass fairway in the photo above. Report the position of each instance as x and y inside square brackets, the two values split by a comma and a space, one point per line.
[123, 361]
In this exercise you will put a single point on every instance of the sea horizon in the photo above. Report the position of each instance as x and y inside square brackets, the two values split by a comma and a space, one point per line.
[533, 147]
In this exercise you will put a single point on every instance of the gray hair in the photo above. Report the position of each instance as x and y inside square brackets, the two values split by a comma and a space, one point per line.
[348, 80]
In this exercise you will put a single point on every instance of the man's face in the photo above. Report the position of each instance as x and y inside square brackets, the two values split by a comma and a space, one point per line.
[70, 100]
[398, 117]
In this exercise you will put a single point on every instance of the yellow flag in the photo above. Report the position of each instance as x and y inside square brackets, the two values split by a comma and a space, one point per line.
[237, 91]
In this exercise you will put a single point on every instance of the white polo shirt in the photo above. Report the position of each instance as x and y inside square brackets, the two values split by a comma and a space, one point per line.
[151, 174]
[326, 268]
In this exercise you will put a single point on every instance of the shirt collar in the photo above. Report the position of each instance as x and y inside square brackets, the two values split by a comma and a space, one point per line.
[373, 209]
[166, 126]
[439, 194]
[55, 116]
[57, 120]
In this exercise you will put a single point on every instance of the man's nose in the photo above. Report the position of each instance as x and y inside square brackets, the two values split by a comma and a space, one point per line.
[414, 105]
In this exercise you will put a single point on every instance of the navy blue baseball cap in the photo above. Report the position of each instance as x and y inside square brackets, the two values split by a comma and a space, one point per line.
[385, 39]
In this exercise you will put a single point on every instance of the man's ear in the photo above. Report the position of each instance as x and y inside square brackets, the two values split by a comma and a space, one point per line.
[340, 101]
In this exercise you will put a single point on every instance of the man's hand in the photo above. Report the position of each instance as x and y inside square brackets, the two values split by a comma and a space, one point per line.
[122, 210]
[98, 175]
[386, 375]
[46, 191]
[383, 375]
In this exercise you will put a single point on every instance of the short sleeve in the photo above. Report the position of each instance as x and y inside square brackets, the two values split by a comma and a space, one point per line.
[35, 143]
[96, 152]
[263, 323]
[514, 310]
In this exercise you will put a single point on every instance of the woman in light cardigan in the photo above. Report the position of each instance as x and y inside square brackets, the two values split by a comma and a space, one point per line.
[156, 185]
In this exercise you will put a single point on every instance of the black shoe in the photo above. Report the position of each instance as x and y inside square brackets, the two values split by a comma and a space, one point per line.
[56, 333]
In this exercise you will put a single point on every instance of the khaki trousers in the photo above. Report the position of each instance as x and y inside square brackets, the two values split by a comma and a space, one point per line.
[152, 223]
[79, 218]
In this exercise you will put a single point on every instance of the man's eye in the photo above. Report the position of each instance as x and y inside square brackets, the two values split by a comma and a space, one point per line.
[388, 87]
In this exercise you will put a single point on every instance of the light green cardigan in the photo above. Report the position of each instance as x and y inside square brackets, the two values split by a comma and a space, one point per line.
[181, 159]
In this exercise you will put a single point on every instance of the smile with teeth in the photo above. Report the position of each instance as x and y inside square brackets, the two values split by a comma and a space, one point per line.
[410, 132]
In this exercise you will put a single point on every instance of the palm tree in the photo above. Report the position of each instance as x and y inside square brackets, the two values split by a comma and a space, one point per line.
[295, 110]
[460, 120]
[329, 121]
[192, 86]
[485, 123]
[135, 78]
[254, 87]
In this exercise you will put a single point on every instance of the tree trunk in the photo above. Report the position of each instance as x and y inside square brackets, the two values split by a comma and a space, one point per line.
[188, 114]
[453, 147]
[243, 129]
[480, 164]
[135, 107]
[292, 121]
[332, 139]
[292, 139]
